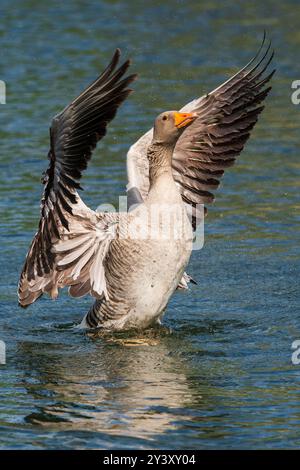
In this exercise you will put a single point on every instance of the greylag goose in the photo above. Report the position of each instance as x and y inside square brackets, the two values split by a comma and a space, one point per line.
[124, 260]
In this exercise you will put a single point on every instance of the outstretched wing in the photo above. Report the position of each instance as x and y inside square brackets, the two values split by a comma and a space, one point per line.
[65, 218]
[214, 140]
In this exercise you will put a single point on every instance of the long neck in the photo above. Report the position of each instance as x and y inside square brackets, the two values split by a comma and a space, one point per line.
[160, 158]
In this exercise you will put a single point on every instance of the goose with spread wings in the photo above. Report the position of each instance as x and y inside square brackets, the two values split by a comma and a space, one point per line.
[125, 261]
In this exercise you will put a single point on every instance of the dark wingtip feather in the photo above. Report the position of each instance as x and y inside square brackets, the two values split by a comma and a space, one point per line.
[251, 61]
[115, 58]
[132, 78]
[22, 306]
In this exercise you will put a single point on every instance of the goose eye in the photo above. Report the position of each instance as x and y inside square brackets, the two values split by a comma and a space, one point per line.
[165, 118]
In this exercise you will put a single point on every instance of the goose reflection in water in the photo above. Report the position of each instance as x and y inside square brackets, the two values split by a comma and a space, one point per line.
[122, 386]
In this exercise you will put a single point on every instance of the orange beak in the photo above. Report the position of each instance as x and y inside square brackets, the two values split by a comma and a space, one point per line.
[183, 119]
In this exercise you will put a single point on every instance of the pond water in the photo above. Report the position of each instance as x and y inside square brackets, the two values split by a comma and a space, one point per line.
[219, 375]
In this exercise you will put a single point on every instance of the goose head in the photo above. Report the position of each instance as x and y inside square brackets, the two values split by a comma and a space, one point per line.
[168, 126]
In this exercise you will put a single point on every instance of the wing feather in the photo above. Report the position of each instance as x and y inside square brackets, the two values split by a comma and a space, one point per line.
[215, 139]
[62, 247]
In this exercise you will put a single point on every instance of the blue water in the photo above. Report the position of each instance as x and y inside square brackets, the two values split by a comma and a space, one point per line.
[220, 374]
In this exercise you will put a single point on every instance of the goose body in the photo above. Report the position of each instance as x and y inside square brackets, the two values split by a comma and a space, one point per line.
[132, 262]
[142, 273]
